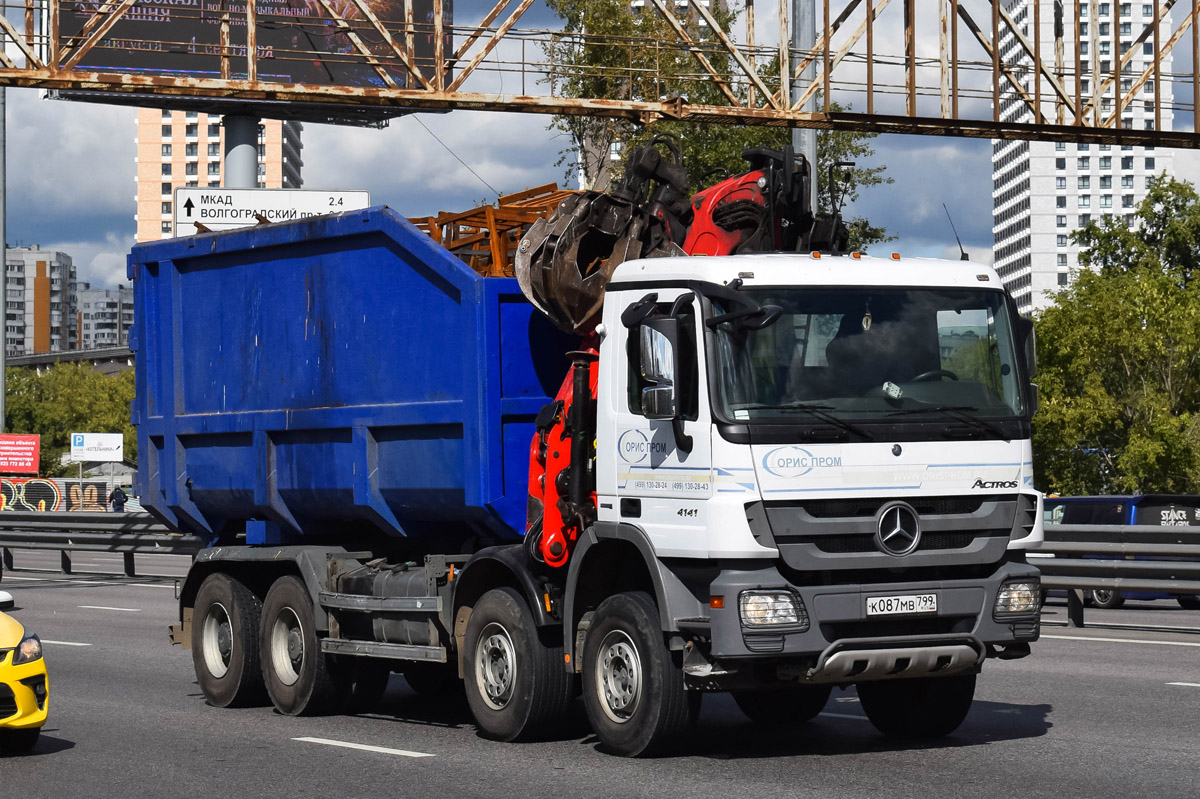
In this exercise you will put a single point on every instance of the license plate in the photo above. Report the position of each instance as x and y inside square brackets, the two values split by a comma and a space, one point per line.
[909, 603]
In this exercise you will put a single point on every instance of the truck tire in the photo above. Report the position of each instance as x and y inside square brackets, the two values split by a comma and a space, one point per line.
[516, 685]
[1107, 598]
[633, 685]
[786, 706]
[225, 622]
[927, 707]
[301, 679]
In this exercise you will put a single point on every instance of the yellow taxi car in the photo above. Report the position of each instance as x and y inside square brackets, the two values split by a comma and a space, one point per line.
[24, 688]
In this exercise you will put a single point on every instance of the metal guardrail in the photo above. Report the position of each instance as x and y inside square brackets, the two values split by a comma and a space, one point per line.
[129, 534]
[1121, 558]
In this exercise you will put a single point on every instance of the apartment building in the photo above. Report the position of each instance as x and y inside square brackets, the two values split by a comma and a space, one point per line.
[1042, 191]
[104, 316]
[39, 300]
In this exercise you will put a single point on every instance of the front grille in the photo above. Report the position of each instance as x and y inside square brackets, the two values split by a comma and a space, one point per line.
[897, 625]
[8, 702]
[868, 507]
[851, 544]
[763, 642]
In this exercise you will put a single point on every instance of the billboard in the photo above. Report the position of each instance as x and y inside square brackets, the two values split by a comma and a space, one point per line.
[297, 41]
[19, 453]
[97, 447]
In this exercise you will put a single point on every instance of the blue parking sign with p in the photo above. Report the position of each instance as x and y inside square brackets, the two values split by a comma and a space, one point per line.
[77, 440]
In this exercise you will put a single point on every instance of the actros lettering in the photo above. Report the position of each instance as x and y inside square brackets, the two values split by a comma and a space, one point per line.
[994, 483]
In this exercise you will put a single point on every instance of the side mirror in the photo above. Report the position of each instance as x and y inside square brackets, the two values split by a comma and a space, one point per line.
[6, 601]
[1029, 343]
[660, 365]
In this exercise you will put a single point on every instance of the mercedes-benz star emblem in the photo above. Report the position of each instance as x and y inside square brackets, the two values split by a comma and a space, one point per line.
[899, 529]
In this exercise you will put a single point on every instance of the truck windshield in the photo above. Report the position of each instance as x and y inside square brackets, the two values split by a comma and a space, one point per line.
[871, 354]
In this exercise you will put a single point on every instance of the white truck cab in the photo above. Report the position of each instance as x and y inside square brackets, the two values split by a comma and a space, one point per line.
[830, 459]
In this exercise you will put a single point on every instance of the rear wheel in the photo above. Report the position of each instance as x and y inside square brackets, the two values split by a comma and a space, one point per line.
[1188, 602]
[1107, 598]
[516, 684]
[225, 621]
[928, 707]
[783, 706]
[632, 684]
[14, 742]
[301, 679]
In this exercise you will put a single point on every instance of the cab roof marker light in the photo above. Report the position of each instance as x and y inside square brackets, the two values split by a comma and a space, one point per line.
[816, 254]
[895, 256]
[856, 255]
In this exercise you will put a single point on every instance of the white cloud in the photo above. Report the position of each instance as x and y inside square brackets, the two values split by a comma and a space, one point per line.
[99, 262]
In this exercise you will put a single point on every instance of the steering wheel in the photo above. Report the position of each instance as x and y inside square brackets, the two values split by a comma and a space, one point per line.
[932, 373]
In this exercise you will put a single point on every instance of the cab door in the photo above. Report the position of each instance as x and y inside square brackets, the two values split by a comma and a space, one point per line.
[659, 474]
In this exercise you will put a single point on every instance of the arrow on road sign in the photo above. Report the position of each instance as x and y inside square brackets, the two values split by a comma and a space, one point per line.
[189, 205]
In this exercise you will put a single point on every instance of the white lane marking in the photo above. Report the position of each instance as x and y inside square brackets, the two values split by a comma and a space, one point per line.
[364, 747]
[63, 643]
[1156, 626]
[55, 580]
[1120, 640]
[1186, 684]
[844, 716]
[103, 607]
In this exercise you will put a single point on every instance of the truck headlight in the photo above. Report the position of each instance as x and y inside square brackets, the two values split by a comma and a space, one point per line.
[765, 608]
[1018, 597]
[29, 650]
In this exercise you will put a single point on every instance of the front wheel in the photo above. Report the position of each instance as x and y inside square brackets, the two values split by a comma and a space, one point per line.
[633, 686]
[927, 707]
[14, 742]
[784, 706]
[1107, 598]
[516, 684]
[225, 621]
[301, 679]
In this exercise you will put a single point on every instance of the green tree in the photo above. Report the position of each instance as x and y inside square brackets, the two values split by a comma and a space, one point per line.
[614, 61]
[1166, 235]
[68, 398]
[1119, 358]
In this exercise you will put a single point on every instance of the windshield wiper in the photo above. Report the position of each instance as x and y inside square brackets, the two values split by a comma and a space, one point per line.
[959, 412]
[819, 411]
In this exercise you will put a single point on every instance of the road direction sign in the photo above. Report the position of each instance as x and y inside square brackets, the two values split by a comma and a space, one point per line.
[226, 209]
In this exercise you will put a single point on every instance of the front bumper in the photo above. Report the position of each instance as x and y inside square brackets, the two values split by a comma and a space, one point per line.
[24, 693]
[841, 643]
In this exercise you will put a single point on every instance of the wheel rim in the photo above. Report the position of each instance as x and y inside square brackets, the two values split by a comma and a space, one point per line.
[217, 640]
[495, 666]
[1102, 597]
[619, 676]
[287, 646]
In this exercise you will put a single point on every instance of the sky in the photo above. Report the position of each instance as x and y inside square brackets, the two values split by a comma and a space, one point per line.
[70, 169]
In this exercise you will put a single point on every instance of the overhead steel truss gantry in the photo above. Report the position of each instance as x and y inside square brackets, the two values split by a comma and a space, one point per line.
[978, 68]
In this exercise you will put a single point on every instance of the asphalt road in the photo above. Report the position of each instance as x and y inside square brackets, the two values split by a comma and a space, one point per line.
[1109, 711]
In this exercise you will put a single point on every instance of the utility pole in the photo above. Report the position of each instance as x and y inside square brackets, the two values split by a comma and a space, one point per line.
[804, 39]
[241, 151]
